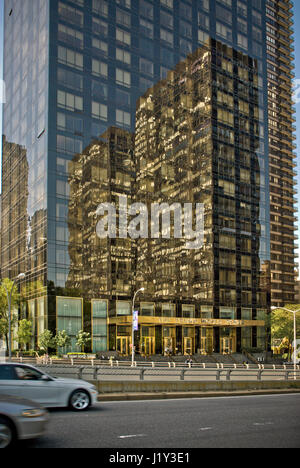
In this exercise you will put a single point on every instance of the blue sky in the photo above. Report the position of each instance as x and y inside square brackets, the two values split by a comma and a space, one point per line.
[297, 73]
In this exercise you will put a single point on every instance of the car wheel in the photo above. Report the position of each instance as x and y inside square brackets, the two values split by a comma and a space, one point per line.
[7, 433]
[79, 400]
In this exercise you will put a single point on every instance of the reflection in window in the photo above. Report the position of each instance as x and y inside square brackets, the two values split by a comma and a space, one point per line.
[123, 36]
[123, 77]
[99, 27]
[100, 7]
[99, 111]
[146, 66]
[123, 56]
[123, 118]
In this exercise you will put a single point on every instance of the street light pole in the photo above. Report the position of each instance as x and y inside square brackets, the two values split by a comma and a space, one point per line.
[132, 335]
[295, 334]
[9, 298]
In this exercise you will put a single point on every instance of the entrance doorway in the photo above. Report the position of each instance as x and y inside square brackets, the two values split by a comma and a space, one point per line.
[188, 346]
[207, 341]
[226, 345]
[148, 345]
[123, 345]
[227, 340]
[169, 346]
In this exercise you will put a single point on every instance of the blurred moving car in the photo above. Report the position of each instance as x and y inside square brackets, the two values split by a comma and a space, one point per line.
[26, 381]
[20, 419]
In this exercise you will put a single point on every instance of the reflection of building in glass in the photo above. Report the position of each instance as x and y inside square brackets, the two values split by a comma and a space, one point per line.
[101, 174]
[100, 268]
[14, 255]
[198, 141]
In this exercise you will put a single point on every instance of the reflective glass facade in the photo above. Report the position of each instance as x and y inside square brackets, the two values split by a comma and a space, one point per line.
[78, 115]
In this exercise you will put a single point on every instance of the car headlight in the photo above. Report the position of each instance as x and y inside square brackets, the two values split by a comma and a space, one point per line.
[33, 413]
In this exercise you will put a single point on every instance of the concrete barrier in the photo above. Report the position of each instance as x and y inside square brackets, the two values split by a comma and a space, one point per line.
[106, 387]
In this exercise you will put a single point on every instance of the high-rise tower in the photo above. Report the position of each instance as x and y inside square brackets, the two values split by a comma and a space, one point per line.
[74, 72]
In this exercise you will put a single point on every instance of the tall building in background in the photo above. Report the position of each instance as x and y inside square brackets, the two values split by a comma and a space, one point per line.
[282, 158]
[79, 81]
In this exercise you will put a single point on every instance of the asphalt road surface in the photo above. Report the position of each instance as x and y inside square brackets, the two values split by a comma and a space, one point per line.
[271, 421]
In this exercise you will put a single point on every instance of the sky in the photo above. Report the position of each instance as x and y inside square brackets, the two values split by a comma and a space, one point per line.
[297, 77]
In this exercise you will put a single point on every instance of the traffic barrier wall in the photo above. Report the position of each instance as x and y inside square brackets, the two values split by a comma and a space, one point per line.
[181, 386]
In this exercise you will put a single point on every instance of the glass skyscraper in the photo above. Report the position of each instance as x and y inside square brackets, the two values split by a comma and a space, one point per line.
[100, 96]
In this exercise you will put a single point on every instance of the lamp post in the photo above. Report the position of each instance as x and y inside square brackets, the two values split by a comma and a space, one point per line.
[132, 336]
[295, 334]
[9, 297]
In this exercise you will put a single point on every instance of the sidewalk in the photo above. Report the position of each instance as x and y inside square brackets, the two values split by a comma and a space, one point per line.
[181, 395]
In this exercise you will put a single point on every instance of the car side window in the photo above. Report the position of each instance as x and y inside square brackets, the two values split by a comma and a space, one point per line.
[24, 373]
[7, 373]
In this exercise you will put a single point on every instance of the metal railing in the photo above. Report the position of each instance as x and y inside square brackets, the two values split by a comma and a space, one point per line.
[180, 373]
[114, 363]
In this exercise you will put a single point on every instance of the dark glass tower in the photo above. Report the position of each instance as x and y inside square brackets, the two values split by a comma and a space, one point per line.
[75, 72]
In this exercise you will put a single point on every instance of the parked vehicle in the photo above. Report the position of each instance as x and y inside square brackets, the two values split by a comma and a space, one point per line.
[20, 419]
[26, 381]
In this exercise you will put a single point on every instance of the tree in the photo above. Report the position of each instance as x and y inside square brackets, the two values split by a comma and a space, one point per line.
[24, 332]
[46, 340]
[62, 339]
[4, 319]
[83, 339]
[282, 325]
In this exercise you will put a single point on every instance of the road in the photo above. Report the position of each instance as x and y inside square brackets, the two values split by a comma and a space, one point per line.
[246, 422]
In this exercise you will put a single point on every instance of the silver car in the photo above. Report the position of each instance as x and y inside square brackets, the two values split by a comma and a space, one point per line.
[20, 419]
[26, 381]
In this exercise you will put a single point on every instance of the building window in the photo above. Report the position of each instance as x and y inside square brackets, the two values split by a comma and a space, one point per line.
[167, 3]
[70, 15]
[123, 56]
[68, 144]
[70, 36]
[100, 46]
[123, 308]
[123, 18]
[188, 311]
[224, 31]
[146, 67]
[168, 310]
[69, 318]
[147, 309]
[69, 101]
[99, 111]
[123, 77]
[70, 57]
[100, 7]
[70, 79]
[146, 28]
[123, 118]
[99, 325]
[146, 9]
[124, 3]
[99, 27]
[123, 36]
[166, 36]
[99, 68]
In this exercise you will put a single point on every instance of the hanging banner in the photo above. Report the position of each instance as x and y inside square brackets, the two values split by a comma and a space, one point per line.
[135, 321]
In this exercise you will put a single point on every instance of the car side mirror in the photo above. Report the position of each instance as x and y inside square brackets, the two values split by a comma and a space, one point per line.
[45, 378]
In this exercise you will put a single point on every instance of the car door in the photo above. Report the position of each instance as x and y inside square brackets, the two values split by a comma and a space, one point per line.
[36, 388]
[9, 381]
